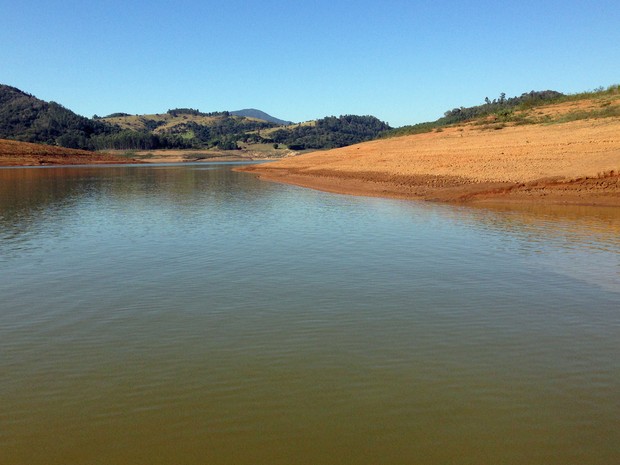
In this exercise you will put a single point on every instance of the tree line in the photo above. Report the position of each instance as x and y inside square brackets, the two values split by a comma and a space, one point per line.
[330, 132]
[24, 117]
[501, 107]
[525, 100]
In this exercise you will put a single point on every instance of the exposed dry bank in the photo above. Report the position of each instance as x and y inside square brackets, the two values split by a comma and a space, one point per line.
[14, 153]
[575, 163]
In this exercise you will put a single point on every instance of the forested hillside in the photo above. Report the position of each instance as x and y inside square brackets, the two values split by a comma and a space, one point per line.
[330, 132]
[25, 118]
[195, 129]
[225, 130]
[502, 108]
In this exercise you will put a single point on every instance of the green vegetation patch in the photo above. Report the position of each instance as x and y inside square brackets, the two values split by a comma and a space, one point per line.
[330, 132]
[497, 113]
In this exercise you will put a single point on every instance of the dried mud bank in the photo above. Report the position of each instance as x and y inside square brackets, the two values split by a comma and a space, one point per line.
[14, 153]
[573, 163]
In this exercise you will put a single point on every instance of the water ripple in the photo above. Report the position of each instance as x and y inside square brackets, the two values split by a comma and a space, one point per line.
[191, 313]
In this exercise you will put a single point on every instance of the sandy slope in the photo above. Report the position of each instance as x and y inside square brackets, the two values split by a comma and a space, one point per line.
[469, 163]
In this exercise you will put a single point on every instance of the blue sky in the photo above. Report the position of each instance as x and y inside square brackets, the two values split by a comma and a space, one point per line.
[402, 61]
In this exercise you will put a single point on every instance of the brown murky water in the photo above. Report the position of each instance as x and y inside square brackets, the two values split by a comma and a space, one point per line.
[191, 315]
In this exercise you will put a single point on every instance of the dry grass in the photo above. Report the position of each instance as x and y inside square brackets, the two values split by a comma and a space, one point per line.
[165, 121]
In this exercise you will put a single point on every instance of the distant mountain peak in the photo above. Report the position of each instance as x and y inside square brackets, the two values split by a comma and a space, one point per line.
[254, 113]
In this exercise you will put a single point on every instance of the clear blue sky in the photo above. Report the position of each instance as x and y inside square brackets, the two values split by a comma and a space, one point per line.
[402, 61]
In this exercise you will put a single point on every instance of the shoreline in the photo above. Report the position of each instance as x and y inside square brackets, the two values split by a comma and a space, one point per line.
[574, 163]
[596, 191]
[41, 159]
[17, 153]
[30, 162]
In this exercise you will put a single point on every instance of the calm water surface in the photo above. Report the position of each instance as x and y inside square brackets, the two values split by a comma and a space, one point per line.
[194, 315]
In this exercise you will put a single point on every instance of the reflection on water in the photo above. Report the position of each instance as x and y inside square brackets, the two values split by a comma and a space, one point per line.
[191, 314]
[582, 242]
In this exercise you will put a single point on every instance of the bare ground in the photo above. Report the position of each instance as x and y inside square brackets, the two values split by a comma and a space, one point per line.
[14, 153]
[570, 163]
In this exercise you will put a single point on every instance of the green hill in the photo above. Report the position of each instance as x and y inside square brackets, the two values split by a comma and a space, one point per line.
[519, 110]
[24, 117]
[258, 114]
[195, 129]
[330, 132]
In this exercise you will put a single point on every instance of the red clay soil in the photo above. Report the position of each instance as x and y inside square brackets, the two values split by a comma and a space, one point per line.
[571, 163]
[14, 153]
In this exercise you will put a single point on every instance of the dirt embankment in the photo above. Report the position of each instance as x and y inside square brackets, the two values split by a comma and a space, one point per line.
[573, 163]
[14, 153]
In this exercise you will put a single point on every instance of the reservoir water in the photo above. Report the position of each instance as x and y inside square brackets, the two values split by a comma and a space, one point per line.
[189, 314]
